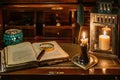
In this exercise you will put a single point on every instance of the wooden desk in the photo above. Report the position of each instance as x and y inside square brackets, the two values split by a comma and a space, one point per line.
[106, 67]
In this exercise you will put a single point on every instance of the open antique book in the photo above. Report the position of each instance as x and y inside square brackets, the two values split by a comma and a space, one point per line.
[26, 54]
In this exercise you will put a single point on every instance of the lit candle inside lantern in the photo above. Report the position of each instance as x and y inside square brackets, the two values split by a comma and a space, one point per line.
[104, 41]
[107, 30]
[84, 40]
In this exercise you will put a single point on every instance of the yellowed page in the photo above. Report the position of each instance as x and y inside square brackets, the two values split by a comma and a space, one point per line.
[20, 53]
[58, 52]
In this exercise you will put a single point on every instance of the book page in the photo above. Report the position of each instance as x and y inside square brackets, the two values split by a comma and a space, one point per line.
[20, 53]
[56, 53]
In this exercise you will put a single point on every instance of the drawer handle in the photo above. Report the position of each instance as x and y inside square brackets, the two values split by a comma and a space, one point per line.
[58, 33]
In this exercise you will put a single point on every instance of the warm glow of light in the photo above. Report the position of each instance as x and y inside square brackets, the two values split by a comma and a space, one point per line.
[83, 35]
[104, 32]
[84, 40]
[104, 41]
[104, 70]
[91, 71]
[57, 8]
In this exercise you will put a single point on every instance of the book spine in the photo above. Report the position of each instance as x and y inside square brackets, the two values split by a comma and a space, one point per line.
[23, 66]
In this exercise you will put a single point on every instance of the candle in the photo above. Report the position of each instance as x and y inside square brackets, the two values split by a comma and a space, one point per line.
[107, 30]
[104, 41]
[84, 40]
[84, 59]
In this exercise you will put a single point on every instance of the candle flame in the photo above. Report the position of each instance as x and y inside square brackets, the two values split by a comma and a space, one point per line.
[83, 35]
[104, 32]
[84, 40]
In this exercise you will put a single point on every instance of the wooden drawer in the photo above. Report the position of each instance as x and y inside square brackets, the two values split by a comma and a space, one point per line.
[58, 32]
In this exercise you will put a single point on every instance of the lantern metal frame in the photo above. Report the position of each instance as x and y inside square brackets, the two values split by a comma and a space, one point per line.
[98, 21]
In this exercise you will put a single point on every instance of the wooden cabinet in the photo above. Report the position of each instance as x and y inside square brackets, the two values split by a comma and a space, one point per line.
[33, 16]
[1, 25]
[38, 1]
[18, 19]
[87, 11]
[58, 32]
[50, 17]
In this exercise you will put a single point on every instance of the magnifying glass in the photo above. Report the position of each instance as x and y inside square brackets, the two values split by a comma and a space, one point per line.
[46, 46]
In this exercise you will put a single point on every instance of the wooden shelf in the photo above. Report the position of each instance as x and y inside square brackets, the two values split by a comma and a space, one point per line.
[39, 1]
[41, 14]
[28, 31]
